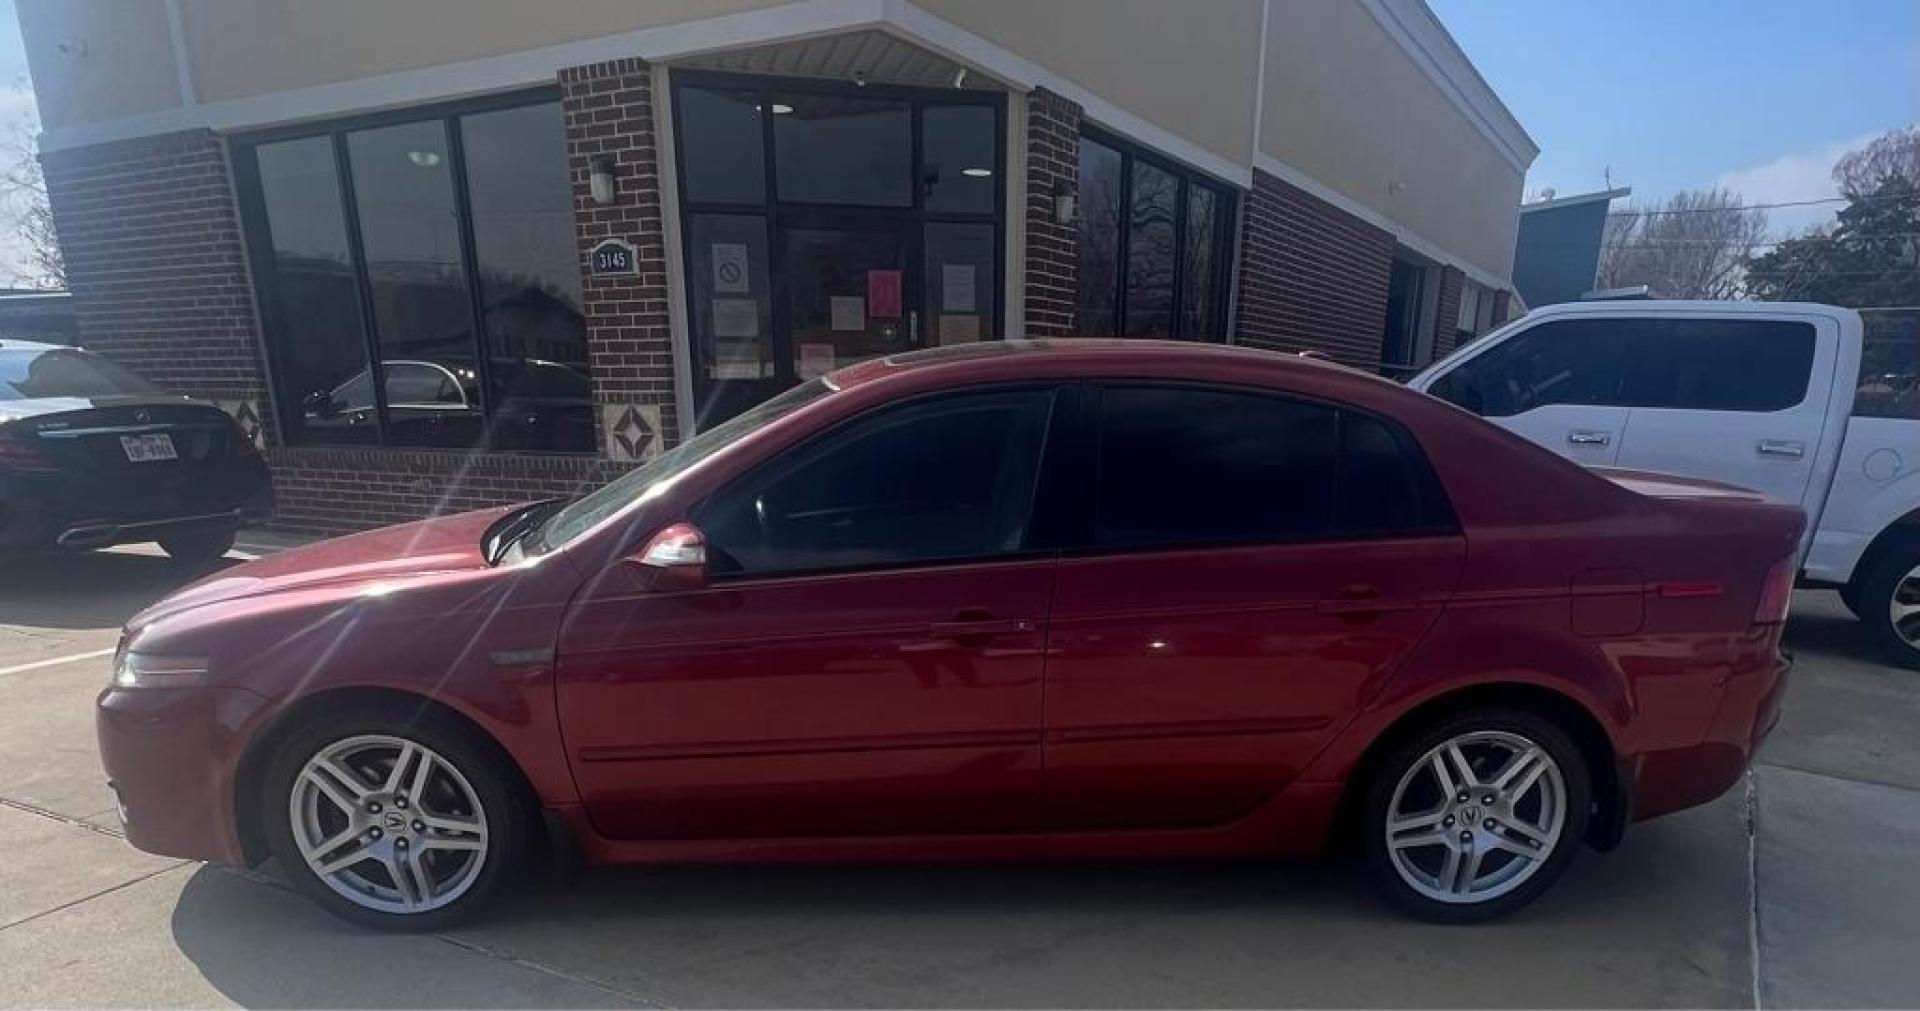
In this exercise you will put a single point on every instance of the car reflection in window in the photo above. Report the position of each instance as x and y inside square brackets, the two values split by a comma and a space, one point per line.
[543, 405]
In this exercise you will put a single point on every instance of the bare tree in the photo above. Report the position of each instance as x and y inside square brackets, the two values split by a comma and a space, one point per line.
[35, 260]
[1695, 244]
[1893, 154]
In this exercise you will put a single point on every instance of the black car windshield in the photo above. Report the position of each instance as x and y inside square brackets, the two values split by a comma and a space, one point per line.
[581, 515]
[33, 373]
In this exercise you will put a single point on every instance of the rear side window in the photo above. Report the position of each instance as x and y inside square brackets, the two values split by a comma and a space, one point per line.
[937, 480]
[1191, 466]
[1716, 364]
[1890, 367]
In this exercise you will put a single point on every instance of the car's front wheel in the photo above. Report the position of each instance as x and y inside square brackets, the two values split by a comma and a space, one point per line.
[1474, 816]
[399, 822]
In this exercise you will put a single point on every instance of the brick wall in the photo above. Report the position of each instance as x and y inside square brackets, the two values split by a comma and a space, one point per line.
[1446, 328]
[1311, 276]
[156, 265]
[1502, 305]
[1053, 250]
[328, 490]
[609, 116]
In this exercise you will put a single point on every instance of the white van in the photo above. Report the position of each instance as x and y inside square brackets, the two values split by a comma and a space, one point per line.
[1756, 394]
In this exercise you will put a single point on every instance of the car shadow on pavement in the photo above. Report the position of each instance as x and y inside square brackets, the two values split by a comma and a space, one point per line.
[1095, 934]
[1827, 628]
[89, 589]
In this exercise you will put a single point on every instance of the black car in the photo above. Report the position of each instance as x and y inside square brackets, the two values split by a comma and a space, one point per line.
[92, 455]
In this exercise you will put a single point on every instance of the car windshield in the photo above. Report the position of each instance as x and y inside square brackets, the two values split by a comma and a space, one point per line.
[581, 515]
[33, 373]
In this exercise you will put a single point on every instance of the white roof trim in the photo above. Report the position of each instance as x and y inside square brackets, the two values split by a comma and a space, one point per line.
[1604, 196]
[1427, 42]
[1401, 233]
[525, 68]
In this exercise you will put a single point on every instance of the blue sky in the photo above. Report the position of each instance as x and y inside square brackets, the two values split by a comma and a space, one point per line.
[1759, 95]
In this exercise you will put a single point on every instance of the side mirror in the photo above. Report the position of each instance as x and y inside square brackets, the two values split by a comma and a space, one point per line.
[674, 560]
[319, 404]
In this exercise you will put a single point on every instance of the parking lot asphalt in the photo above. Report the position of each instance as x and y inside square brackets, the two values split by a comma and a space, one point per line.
[1801, 888]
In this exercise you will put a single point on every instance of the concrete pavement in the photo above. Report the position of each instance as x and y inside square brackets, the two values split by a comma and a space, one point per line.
[1803, 886]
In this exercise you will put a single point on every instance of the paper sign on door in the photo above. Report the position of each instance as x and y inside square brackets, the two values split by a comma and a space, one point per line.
[883, 294]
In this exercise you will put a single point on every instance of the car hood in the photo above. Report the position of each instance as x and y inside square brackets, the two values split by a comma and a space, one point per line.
[445, 544]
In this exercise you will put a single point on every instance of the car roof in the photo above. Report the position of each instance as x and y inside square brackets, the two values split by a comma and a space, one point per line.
[1105, 356]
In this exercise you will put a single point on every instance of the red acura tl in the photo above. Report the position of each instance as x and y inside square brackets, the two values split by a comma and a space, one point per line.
[1075, 599]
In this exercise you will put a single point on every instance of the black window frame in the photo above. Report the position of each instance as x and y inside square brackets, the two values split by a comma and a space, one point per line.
[779, 215]
[1077, 534]
[1047, 498]
[260, 254]
[1226, 227]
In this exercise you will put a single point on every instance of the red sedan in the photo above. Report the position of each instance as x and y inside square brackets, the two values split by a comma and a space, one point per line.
[1079, 599]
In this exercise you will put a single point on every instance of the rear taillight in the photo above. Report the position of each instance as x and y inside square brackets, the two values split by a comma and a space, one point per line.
[21, 452]
[1776, 592]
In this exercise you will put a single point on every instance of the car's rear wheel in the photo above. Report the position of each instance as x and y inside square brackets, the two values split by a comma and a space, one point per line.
[394, 822]
[1474, 816]
[1890, 602]
[197, 546]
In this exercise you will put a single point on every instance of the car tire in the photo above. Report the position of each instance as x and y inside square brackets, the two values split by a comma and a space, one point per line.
[423, 863]
[1850, 596]
[1451, 861]
[197, 548]
[1893, 581]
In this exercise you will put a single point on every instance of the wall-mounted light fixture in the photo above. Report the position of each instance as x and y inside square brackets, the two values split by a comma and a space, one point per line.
[1066, 203]
[600, 181]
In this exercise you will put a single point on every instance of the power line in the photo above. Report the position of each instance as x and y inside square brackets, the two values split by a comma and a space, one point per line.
[1863, 198]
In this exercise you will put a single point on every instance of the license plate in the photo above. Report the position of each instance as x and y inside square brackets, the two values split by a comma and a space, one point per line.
[146, 448]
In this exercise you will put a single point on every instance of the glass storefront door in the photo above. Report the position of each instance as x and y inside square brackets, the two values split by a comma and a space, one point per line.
[826, 224]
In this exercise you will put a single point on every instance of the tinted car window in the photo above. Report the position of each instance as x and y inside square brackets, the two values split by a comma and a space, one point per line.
[1381, 488]
[1563, 362]
[948, 478]
[1195, 466]
[1890, 368]
[1716, 364]
[29, 374]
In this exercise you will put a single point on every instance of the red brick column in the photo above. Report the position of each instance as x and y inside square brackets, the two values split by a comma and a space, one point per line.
[1502, 305]
[156, 264]
[609, 116]
[1311, 276]
[1446, 327]
[1053, 249]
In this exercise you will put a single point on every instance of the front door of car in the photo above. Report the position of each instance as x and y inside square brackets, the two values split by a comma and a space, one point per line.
[1251, 566]
[866, 659]
[1555, 384]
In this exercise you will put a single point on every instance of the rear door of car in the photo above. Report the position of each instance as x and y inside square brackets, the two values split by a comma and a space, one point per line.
[1244, 567]
[1556, 383]
[1742, 399]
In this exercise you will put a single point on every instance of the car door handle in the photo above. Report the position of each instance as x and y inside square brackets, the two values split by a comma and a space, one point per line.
[1781, 447]
[1589, 437]
[974, 631]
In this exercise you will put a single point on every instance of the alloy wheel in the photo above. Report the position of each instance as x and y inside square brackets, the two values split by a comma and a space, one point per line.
[1904, 608]
[388, 823]
[1476, 817]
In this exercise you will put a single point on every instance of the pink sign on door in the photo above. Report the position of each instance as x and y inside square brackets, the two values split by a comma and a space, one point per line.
[883, 293]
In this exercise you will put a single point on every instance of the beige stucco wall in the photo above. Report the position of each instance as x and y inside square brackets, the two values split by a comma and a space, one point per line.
[94, 60]
[1347, 106]
[1187, 66]
[248, 47]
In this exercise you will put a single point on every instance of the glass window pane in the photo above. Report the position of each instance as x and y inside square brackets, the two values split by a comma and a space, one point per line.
[1152, 205]
[536, 335]
[319, 343]
[732, 305]
[1102, 189]
[1890, 367]
[1716, 365]
[1185, 466]
[946, 479]
[957, 145]
[961, 293]
[1197, 291]
[1568, 362]
[1379, 485]
[721, 146]
[845, 296]
[403, 184]
[833, 149]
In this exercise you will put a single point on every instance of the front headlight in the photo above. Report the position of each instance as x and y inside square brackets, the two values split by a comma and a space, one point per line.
[146, 670]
